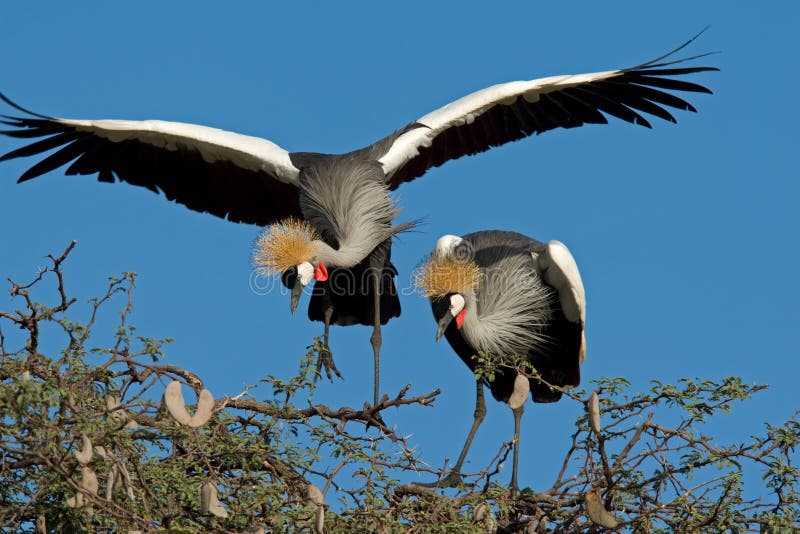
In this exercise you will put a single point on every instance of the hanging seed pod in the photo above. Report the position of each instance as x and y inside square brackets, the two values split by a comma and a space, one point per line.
[26, 375]
[483, 514]
[209, 501]
[173, 399]
[593, 407]
[89, 484]
[522, 388]
[596, 512]
[112, 405]
[126, 480]
[84, 456]
[89, 480]
[319, 524]
[115, 413]
[76, 501]
[41, 524]
[314, 496]
[479, 512]
[118, 478]
[112, 481]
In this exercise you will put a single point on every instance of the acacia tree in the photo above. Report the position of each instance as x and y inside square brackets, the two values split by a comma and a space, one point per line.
[99, 439]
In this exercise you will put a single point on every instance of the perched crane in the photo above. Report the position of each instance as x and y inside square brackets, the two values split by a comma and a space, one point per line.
[512, 299]
[339, 204]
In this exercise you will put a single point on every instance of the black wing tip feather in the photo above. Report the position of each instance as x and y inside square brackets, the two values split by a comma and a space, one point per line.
[659, 61]
[625, 94]
[16, 106]
[36, 125]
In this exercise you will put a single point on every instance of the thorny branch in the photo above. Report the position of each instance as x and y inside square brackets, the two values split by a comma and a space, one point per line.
[87, 444]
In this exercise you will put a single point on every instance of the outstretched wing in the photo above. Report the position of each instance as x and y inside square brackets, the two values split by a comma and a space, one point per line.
[510, 111]
[233, 176]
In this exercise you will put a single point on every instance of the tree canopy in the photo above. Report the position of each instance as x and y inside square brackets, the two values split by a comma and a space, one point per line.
[101, 439]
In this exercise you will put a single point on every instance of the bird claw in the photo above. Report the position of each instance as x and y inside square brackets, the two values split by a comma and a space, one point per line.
[325, 361]
[378, 419]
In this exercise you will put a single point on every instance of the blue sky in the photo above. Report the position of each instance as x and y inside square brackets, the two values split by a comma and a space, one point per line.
[685, 234]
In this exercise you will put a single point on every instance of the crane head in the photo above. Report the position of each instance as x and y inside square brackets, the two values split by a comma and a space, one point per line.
[448, 308]
[298, 277]
[287, 248]
[448, 274]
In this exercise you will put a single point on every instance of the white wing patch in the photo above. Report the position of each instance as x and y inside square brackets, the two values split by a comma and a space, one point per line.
[247, 152]
[559, 270]
[466, 109]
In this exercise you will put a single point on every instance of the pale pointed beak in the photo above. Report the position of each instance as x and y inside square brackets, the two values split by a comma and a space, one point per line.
[297, 290]
[444, 322]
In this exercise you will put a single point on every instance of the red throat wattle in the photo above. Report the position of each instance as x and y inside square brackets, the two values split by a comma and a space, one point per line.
[460, 318]
[321, 273]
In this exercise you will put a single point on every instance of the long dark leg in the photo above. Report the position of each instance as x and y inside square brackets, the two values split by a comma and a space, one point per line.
[325, 357]
[517, 418]
[480, 413]
[327, 314]
[375, 339]
[454, 477]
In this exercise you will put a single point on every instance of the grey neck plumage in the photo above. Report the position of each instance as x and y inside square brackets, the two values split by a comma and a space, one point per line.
[347, 201]
[505, 315]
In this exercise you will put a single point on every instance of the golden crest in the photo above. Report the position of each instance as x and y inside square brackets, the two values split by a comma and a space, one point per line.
[441, 275]
[284, 245]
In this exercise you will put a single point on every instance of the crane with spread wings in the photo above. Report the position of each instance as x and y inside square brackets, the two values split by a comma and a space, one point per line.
[331, 216]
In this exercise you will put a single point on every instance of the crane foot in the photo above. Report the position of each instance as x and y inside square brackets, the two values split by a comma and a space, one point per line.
[378, 419]
[325, 361]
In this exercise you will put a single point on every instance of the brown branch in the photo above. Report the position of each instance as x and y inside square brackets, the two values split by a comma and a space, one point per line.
[366, 416]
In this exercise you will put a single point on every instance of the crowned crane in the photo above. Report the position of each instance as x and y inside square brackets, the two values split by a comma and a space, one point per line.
[338, 206]
[515, 300]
